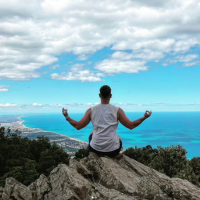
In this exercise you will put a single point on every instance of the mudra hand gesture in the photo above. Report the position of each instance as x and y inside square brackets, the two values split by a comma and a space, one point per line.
[65, 113]
[147, 114]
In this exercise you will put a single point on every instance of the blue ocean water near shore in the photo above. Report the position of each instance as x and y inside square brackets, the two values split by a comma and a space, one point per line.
[162, 128]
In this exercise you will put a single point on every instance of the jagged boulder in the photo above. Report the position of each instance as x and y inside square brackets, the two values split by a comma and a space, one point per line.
[40, 187]
[102, 178]
[15, 191]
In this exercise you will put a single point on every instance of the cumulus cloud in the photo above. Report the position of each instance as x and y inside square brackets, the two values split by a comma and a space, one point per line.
[187, 58]
[3, 88]
[37, 104]
[88, 105]
[123, 62]
[77, 67]
[82, 57]
[116, 66]
[190, 64]
[9, 105]
[83, 75]
[55, 66]
[33, 35]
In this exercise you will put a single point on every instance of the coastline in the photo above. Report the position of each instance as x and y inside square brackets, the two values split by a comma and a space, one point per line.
[70, 145]
[37, 130]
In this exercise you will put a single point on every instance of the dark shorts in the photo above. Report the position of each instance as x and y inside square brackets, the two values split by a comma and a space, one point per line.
[110, 154]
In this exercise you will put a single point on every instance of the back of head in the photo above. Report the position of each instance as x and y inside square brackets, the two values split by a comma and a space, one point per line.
[105, 91]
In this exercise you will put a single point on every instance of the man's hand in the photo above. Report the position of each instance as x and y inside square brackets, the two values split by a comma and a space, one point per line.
[64, 112]
[147, 114]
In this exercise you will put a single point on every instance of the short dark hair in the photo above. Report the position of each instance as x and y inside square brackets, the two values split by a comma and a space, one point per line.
[105, 91]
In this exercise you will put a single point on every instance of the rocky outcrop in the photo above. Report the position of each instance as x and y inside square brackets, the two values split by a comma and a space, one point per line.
[99, 178]
[15, 190]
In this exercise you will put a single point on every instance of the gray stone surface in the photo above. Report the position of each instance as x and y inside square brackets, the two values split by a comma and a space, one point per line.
[40, 187]
[1, 192]
[15, 191]
[102, 178]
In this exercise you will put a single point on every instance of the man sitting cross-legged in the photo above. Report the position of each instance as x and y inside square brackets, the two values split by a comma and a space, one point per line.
[105, 117]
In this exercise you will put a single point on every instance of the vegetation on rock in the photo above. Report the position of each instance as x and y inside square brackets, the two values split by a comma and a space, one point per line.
[26, 159]
[81, 153]
[171, 161]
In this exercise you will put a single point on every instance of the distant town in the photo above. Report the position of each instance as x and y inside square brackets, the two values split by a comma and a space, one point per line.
[70, 145]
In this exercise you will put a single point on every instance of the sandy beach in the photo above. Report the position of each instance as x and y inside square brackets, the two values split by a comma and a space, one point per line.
[21, 127]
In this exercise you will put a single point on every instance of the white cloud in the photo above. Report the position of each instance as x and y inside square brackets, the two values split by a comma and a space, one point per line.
[82, 75]
[122, 104]
[144, 55]
[74, 105]
[187, 58]
[37, 104]
[55, 66]
[89, 104]
[82, 57]
[190, 64]
[116, 66]
[77, 67]
[122, 55]
[9, 105]
[3, 88]
[33, 35]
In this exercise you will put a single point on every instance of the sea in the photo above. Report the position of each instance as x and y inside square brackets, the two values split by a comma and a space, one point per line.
[161, 129]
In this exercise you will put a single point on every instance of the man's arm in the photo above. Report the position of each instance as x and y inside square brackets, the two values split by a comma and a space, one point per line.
[82, 123]
[124, 120]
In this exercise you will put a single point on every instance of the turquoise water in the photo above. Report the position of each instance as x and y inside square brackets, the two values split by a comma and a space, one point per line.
[162, 128]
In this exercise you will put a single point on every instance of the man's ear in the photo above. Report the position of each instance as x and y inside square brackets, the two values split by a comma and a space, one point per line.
[110, 95]
[99, 95]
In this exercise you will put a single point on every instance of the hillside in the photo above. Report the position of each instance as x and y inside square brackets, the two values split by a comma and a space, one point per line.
[102, 178]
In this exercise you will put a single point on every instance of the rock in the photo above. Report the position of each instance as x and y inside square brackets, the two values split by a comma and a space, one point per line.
[111, 175]
[156, 183]
[185, 189]
[102, 178]
[15, 190]
[68, 184]
[102, 193]
[1, 192]
[40, 187]
[81, 169]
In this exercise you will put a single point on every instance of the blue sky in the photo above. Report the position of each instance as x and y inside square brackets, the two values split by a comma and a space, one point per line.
[61, 59]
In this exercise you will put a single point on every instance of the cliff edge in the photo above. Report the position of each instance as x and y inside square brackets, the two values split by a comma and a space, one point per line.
[102, 178]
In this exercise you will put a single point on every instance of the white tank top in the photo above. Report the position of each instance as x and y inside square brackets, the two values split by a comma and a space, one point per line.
[105, 123]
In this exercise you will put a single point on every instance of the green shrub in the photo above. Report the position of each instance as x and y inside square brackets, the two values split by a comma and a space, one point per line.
[25, 159]
[81, 153]
[143, 155]
[171, 161]
[195, 164]
[188, 174]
